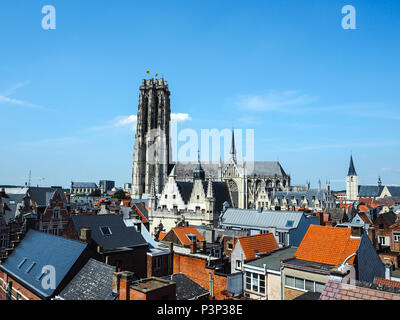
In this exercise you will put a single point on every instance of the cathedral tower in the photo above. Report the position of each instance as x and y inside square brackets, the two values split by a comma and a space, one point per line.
[152, 141]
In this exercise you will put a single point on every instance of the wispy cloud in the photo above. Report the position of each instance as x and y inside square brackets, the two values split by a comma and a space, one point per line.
[283, 101]
[131, 120]
[6, 99]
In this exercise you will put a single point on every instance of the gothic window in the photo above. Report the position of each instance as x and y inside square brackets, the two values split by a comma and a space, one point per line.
[233, 189]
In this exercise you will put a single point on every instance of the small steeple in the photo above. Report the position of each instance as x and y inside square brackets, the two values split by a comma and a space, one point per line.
[379, 182]
[233, 147]
[198, 172]
[352, 171]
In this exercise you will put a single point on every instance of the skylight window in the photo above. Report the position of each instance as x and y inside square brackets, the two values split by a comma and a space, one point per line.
[22, 263]
[42, 274]
[289, 223]
[30, 267]
[106, 231]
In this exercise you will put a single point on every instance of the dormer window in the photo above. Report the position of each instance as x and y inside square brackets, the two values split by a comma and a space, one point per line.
[106, 231]
[192, 237]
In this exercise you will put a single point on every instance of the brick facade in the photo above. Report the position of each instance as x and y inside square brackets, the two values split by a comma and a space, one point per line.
[195, 269]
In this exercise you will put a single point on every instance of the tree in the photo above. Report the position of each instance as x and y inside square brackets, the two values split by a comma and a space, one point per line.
[120, 194]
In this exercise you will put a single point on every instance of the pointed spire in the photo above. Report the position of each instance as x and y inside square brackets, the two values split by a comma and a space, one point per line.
[379, 181]
[352, 171]
[198, 172]
[172, 173]
[233, 147]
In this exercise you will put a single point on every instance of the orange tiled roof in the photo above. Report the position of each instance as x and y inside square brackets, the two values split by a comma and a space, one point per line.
[327, 245]
[161, 236]
[181, 233]
[263, 243]
[386, 282]
[365, 218]
[363, 208]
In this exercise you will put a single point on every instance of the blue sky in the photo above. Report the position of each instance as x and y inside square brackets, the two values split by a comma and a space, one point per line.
[312, 91]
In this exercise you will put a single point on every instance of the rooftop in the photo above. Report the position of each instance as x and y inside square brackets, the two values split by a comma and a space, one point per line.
[257, 244]
[273, 260]
[151, 284]
[327, 245]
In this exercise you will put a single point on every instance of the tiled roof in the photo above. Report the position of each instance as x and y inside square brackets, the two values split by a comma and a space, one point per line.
[335, 290]
[119, 234]
[386, 282]
[260, 243]
[181, 233]
[186, 288]
[161, 235]
[93, 282]
[38, 250]
[327, 245]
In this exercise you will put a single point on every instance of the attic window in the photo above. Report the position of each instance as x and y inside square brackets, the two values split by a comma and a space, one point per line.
[30, 267]
[192, 237]
[22, 263]
[106, 231]
[12, 202]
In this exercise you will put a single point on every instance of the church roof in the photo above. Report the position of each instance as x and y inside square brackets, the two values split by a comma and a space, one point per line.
[369, 191]
[184, 170]
[220, 190]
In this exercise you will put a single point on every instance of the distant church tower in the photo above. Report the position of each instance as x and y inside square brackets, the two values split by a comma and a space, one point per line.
[352, 183]
[152, 141]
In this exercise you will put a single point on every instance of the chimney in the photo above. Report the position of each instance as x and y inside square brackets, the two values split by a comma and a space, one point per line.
[210, 236]
[124, 281]
[211, 286]
[388, 271]
[193, 247]
[204, 243]
[171, 259]
[86, 235]
[116, 283]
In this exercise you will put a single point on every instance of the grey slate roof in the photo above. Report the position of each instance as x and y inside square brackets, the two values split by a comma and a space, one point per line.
[220, 189]
[13, 202]
[184, 170]
[42, 195]
[273, 261]
[244, 218]
[85, 185]
[186, 289]
[93, 282]
[43, 249]
[394, 190]
[121, 236]
[369, 191]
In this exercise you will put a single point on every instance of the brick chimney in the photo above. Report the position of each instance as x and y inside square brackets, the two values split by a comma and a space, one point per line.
[123, 282]
[193, 247]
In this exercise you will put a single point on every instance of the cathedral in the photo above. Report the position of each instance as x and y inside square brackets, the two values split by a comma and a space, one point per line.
[151, 156]
[197, 192]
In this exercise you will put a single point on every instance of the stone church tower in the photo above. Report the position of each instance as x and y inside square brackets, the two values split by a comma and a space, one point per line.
[351, 183]
[152, 142]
